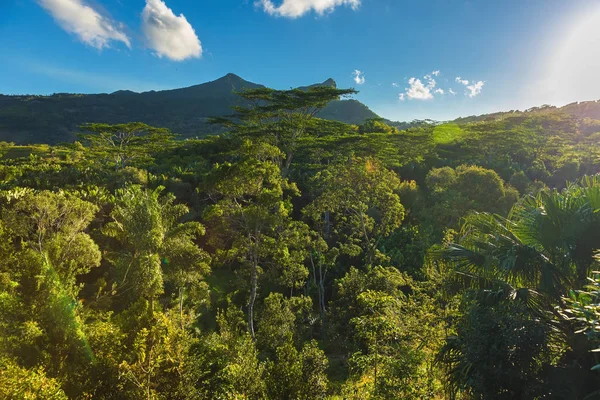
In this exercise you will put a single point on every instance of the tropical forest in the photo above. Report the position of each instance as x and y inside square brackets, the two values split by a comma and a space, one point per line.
[293, 257]
[422, 225]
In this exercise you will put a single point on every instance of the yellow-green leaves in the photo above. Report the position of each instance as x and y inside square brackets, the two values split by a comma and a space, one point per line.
[153, 243]
[361, 197]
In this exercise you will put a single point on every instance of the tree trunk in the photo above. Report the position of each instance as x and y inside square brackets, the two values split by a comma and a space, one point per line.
[181, 306]
[322, 299]
[367, 240]
[253, 288]
[376, 359]
[286, 168]
[320, 292]
[149, 369]
[327, 225]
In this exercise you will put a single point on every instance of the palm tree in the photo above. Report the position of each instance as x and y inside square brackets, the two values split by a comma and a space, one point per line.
[546, 245]
[151, 240]
[519, 268]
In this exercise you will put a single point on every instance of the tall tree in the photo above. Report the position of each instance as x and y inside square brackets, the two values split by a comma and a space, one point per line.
[251, 217]
[153, 244]
[154, 252]
[281, 117]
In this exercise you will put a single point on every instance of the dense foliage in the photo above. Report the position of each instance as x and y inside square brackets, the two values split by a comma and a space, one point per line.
[297, 258]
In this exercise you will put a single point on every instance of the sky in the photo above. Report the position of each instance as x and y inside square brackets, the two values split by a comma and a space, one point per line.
[409, 59]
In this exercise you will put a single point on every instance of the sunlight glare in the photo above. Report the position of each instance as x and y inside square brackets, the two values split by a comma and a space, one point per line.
[575, 67]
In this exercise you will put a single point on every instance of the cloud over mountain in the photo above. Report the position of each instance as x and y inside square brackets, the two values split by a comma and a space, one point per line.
[169, 35]
[87, 23]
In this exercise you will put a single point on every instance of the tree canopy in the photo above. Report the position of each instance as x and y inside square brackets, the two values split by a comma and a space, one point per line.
[295, 258]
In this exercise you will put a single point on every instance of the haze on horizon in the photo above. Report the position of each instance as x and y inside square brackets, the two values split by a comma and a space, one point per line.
[437, 59]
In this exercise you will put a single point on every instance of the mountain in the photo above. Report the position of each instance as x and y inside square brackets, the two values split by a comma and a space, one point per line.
[53, 119]
[328, 83]
[349, 111]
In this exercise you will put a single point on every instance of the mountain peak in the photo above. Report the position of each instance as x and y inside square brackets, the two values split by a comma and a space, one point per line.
[223, 86]
[233, 82]
[330, 82]
[123, 93]
[231, 76]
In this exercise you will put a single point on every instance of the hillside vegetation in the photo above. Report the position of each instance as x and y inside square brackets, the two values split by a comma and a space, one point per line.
[293, 257]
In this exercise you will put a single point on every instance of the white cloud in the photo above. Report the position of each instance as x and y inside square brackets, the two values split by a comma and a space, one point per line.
[359, 77]
[429, 77]
[475, 88]
[421, 90]
[426, 88]
[88, 24]
[417, 90]
[167, 34]
[297, 8]
[395, 84]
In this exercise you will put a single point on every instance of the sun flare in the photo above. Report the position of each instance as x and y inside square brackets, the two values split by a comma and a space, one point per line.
[575, 64]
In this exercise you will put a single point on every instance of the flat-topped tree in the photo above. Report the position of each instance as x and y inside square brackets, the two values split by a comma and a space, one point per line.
[280, 117]
[125, 142]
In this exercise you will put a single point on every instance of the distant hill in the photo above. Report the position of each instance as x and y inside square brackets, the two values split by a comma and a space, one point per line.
[582, 109]
[55, 118]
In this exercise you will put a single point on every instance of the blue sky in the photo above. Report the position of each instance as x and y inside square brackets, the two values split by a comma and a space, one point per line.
[514, 53]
